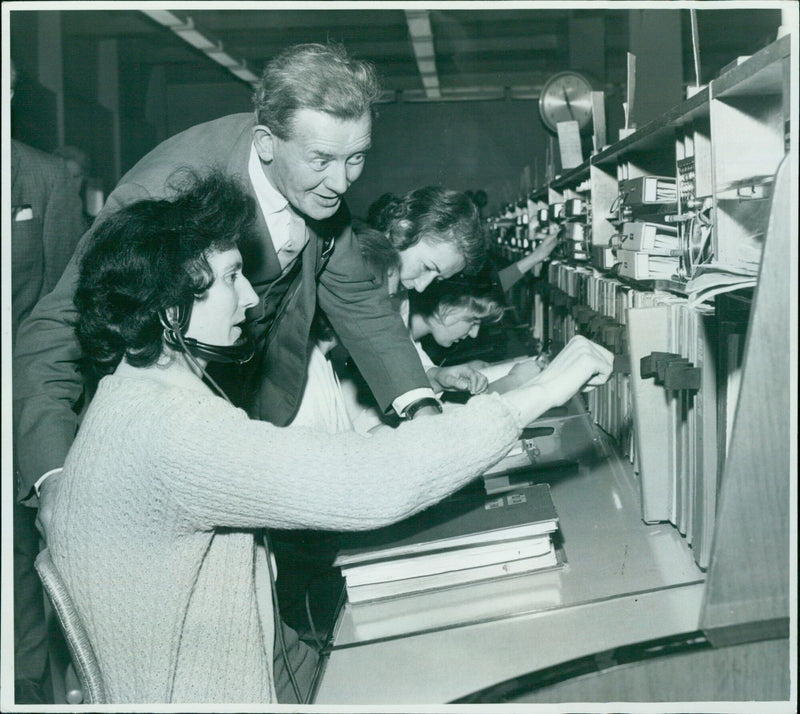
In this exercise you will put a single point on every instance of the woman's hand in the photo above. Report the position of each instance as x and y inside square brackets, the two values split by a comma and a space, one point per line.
[580, 365]
[526, 370]
[459, 378]
[48, 490]
[547, 245]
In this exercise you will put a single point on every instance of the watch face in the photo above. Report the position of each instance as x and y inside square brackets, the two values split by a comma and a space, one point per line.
[566, 97]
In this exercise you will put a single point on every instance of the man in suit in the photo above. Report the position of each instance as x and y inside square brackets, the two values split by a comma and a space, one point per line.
[298, 155]
[46, 224]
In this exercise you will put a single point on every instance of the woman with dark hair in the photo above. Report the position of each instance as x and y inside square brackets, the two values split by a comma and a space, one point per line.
[156, 518]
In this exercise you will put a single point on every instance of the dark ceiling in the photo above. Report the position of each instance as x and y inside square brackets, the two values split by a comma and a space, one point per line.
[475, 51]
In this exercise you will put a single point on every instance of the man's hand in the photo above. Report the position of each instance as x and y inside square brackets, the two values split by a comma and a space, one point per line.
[459, 378]
[47, 491]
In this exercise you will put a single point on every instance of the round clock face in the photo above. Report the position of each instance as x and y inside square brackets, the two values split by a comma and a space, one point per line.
[566, 96]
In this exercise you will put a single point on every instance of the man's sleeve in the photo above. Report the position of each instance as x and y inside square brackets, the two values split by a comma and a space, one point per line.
[47, 384]
[47, 381]
[358, 308]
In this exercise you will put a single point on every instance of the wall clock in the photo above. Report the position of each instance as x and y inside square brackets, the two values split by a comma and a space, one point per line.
[566, 96]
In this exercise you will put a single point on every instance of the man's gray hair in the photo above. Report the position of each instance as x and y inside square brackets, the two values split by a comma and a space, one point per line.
[314, 76]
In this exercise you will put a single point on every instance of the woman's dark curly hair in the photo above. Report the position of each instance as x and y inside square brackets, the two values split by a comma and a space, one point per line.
[151, 256]
[435, 214]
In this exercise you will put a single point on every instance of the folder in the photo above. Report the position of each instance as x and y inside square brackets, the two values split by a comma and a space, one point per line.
[648, 330]
[707, 462]
[644, 190]
[653, 238]
[643, 266]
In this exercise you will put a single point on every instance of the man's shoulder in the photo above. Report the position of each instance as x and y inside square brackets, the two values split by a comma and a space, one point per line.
[221, 132]
[222, 143]
[28, 156]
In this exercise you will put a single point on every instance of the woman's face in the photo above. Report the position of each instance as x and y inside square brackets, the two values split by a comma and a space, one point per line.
[425, 262]
[216, 316]
[453, 326]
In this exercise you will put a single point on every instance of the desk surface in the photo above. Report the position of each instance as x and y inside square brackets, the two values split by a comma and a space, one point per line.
[624, 581]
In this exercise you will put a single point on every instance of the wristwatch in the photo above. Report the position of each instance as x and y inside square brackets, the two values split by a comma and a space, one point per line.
[414, 407]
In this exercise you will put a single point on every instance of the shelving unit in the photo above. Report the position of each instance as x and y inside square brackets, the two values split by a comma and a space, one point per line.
[684, 526]
[693, 460]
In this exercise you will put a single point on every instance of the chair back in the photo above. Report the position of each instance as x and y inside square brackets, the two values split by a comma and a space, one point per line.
[80, 649]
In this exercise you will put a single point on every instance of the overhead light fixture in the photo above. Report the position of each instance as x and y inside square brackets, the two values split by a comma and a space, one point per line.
[212, 48]
[189, 33]
[221, 57]
[163, 17]
[242, 71]
[421, 33]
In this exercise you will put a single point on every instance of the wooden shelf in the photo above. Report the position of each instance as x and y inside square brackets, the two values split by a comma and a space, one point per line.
[761, 74]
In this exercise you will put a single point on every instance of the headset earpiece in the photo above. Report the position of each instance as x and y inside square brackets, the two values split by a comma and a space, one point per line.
[176, 318]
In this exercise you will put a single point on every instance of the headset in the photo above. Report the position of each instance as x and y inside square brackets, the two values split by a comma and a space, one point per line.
[175, 321]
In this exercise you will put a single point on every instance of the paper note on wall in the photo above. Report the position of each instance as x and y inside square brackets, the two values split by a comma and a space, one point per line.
[569, 143]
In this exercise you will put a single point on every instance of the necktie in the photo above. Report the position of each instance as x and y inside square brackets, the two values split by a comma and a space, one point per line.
[296, 241]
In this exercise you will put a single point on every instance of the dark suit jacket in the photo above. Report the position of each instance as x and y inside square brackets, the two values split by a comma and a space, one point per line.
[46, 224]
[356, 305]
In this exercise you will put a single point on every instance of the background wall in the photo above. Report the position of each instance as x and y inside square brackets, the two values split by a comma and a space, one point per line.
[100, 93]
[462, 145]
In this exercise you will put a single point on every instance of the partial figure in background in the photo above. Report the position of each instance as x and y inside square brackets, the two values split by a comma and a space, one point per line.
[46, 225]
[513, 273]
[448, 310]
[79, 167]
[426, 235]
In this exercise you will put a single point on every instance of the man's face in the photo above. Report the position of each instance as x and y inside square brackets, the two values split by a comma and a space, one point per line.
[316, 165]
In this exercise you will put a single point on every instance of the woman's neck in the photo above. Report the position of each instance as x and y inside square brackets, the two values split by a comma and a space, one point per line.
[418, 327]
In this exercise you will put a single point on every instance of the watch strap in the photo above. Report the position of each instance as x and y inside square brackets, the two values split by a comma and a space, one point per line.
[414, 407]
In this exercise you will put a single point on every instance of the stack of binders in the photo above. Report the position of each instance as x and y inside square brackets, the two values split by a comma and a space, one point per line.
[467, 538]
[649, 248]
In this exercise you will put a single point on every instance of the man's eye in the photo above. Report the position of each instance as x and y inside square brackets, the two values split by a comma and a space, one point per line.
[357, 159]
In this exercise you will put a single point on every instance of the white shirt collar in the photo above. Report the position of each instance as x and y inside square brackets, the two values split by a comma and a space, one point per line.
[270, 199]
[273, 204]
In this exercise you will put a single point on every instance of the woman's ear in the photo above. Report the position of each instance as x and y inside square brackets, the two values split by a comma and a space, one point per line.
[263, 140]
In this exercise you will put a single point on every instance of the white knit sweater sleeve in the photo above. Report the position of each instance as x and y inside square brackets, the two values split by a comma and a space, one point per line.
[228, 470]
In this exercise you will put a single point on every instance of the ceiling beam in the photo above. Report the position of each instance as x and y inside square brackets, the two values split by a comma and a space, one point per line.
[185, 28]
[419, 28]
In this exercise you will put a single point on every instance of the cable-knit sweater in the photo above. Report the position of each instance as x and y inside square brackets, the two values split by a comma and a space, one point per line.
[152, 529]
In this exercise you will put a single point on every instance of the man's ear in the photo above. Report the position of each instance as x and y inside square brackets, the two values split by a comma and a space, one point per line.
[263, 139]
